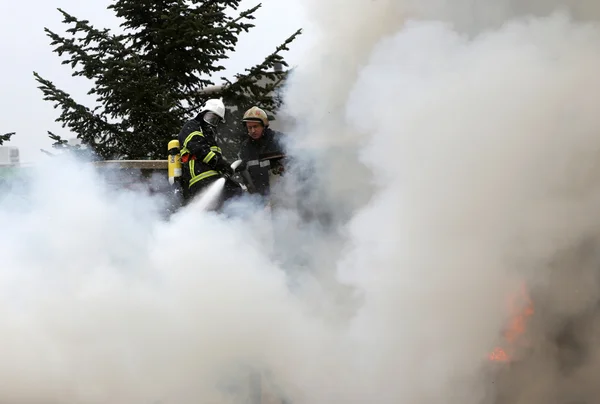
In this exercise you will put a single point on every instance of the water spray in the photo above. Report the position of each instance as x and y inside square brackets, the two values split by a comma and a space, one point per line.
[208, 199]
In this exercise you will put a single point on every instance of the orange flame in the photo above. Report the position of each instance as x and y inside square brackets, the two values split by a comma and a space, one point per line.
[521, 307]
[498, 355]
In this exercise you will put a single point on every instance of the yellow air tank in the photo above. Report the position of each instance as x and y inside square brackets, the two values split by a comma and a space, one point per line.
[174, 163]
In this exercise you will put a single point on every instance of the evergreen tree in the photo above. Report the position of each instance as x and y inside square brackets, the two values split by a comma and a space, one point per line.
[6, 137]
[149, 79]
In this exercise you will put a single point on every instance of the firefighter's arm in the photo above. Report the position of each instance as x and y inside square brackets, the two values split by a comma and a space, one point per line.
[277, 168]
[248, 181]
[199, 147]
[242, 169]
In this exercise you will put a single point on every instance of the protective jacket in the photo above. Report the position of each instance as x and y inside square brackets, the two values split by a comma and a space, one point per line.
[258, 171]
[201, 157]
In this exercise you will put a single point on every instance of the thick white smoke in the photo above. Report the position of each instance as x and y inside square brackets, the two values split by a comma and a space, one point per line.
[456, 158]
[104, 301]
[475, 123]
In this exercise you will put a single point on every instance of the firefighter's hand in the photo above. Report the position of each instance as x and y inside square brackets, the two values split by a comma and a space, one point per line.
[251, 188]
[224, 167]
[278, 169]
[226, 170]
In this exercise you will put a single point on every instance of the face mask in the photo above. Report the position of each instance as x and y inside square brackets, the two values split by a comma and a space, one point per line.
[212, 119]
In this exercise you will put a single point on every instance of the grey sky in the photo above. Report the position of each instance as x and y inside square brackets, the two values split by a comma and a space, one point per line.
[25, 48]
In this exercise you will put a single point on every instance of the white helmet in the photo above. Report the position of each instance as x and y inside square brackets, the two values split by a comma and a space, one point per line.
[215, 111]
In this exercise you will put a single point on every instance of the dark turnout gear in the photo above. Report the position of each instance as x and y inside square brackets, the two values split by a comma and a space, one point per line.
[256, 171]
[201, 157]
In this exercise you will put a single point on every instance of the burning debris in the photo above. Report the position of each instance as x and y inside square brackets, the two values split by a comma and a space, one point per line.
[520, 307]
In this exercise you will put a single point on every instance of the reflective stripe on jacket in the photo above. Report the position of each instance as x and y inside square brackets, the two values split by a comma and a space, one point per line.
[199, 152]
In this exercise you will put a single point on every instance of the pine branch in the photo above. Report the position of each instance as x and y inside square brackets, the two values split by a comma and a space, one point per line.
[77, 150]
[6, 137]
[47, 153]
[59, 143]
[245, 89]
[244, 15]
[82, 51]
[260, 69]
[91, 128]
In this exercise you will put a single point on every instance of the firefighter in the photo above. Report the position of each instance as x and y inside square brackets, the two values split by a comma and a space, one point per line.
[261, 140]
[201, 158]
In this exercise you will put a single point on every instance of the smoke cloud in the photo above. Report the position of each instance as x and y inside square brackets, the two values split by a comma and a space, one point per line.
[467, 134]
[451, 154]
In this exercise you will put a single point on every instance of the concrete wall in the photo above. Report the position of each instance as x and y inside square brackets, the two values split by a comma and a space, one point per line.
[9, 155]
[132, 174]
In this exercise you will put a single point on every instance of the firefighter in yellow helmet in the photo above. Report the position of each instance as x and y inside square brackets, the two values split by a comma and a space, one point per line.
[260, 152]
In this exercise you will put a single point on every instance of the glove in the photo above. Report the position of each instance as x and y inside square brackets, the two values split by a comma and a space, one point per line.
[224, 167]
[278, 169]
[227, 171]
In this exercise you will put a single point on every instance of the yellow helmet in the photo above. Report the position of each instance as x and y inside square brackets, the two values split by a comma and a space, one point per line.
[256, 114]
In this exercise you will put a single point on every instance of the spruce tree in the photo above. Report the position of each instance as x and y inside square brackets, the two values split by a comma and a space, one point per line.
[149, 79]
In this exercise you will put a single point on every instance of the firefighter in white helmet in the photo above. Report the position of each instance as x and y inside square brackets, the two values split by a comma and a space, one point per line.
[201, 158]
[261, 151]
